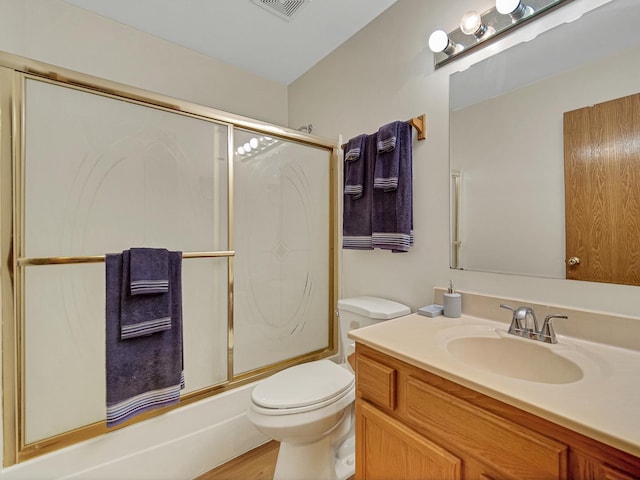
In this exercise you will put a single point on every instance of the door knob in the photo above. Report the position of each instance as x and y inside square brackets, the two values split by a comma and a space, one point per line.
[574, 261]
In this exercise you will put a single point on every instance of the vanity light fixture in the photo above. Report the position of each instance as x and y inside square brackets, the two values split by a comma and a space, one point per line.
[439, 42]
[475, 28]
[514, 8]
[471, 24]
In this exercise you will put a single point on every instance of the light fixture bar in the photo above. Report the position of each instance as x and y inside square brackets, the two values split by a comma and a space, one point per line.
[492, 25]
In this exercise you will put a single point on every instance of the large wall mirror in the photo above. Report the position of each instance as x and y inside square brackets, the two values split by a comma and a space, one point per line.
[507, 142]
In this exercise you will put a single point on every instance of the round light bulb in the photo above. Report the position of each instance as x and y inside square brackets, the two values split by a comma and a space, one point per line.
[438, 41]
[240, 150]
[470, 23]
[247, 147]
[253, 142]
[514, 8]
[505, 7]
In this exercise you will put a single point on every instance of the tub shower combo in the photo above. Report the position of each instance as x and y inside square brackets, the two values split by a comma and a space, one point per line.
[99, 167]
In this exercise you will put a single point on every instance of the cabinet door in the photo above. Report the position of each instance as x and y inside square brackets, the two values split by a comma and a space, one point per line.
[387, 449]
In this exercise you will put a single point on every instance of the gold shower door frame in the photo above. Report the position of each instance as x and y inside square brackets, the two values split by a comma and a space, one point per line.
[14, 71]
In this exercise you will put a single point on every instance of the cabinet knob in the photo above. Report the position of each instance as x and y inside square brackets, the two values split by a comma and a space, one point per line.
[574, 261]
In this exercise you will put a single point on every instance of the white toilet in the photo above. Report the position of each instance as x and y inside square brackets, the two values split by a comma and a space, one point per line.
[308, 408]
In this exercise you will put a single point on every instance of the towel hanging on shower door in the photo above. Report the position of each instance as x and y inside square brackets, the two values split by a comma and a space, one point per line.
[142, 373]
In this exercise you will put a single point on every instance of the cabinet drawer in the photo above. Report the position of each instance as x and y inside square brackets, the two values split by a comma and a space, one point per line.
[376, 382]
[509, 448]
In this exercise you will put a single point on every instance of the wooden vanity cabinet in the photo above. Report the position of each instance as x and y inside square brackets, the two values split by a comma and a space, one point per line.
[411, 424]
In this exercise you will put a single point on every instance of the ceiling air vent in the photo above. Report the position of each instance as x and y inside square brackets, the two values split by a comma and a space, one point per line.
[284, 9]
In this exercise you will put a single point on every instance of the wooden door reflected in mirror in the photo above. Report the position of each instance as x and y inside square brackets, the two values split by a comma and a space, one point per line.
[602, 192]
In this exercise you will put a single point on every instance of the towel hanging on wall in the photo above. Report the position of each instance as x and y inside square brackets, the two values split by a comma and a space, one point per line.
[392, 208]
[382, 217]
[356, 225]
[387, 164]
[354, 167]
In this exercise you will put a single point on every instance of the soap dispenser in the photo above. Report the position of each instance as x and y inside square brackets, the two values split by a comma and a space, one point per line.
[452, 302]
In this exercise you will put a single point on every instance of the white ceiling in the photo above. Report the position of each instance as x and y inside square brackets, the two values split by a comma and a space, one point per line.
[244, 34]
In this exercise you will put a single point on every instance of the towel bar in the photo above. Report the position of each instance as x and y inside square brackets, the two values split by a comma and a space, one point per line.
[419, 123]
[23, 262]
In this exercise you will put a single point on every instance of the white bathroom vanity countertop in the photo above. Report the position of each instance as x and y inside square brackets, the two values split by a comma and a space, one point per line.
[603, 404]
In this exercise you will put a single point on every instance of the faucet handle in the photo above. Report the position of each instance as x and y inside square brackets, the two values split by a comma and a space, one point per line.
[547, 333]
[508, 307]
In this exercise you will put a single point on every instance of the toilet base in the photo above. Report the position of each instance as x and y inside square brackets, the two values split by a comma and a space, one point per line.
[345, 457]
[315, 461]
[311, 461]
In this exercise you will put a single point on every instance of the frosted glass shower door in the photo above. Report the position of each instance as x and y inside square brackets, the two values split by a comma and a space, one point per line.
[282, 244]
[102, 175]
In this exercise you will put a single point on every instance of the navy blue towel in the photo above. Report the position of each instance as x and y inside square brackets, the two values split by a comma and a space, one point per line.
[144, 314]
[142, 373]
[387, 167]
[392, 209]
[149, 269]
[354, 167]
[356, 214]
[388, 137]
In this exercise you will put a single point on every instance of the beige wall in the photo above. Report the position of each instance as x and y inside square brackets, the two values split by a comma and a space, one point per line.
[62, 34]
[385, 73]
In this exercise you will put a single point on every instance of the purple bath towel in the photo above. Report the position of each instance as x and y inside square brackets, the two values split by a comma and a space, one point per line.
[144, 314]
[149, 268]
[142, 373]
[354, 167]
[392, 209]
[387, 164]
[356, 218]
[388, 137]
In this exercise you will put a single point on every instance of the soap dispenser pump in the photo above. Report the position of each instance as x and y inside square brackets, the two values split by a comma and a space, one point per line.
[452, 302]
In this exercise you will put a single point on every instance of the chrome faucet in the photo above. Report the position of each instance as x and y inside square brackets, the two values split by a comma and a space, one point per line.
[524, 324]
[547, 334]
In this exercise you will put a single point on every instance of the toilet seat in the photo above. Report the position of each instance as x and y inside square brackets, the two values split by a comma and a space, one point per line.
[302, 388]
[349, 394]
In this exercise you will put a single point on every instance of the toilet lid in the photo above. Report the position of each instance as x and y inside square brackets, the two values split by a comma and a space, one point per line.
[303, 385]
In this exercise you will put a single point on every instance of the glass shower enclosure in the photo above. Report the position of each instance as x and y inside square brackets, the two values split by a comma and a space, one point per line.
[97, 167]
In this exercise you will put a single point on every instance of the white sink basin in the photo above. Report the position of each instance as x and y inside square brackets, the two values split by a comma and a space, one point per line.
[503, 354]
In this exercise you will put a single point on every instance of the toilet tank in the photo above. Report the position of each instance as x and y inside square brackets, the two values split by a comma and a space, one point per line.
[358, 312]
